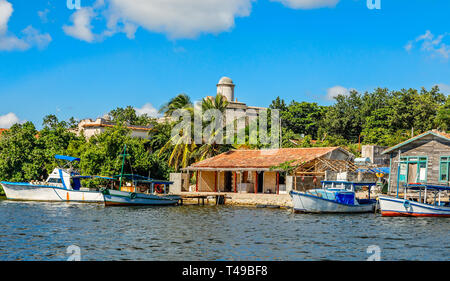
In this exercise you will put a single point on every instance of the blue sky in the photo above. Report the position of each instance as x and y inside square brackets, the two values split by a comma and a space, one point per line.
[110, 53]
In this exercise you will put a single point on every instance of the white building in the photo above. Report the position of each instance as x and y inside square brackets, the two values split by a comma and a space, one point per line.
[90, 128]
[225, 87]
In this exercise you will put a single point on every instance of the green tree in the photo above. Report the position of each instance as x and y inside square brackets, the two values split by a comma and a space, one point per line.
[182, 101]
[279, 104]
[19, 161]
[344, 118]
[443, 115]
[302, 118]
[129, 116]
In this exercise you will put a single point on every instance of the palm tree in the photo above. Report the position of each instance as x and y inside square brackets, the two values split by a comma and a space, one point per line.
[183, 150]
[219, 102]
[210, 147]
[182, 101]
[180, 145]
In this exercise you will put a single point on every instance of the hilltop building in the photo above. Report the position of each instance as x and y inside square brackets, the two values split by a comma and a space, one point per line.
[235, 108]
[94, 127]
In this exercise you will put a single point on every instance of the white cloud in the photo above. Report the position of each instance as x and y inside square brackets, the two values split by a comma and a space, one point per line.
[180, 18]
[148, 109]
[307, 4]
[336, 91]
[9, 42]
[409, 46]
[43, 15]
[175, 18]
[444, 88]
[7, 120]
[81, 27]
[431, 44]
[35, 38]
[6, 11]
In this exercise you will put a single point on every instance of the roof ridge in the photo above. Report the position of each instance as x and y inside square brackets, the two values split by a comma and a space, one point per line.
[314, 147]
[433, 131]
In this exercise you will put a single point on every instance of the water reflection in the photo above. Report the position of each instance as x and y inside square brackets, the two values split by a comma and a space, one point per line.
[43, 231]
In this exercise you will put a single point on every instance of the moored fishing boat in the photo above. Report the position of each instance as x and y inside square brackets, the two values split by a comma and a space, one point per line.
[126, 198]
[333, 197]
[140, 191]
[416, 207]
[62, 185]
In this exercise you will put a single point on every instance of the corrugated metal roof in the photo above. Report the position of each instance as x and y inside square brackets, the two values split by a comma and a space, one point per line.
[264, 158]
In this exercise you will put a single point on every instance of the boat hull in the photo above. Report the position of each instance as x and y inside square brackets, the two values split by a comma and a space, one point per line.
[312, 204]
[123, 198]
[31, 192]
[395, 207]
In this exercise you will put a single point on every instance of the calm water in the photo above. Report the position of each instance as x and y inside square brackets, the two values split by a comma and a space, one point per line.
[43, 231]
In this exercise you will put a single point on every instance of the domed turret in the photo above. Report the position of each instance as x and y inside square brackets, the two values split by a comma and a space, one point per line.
[225, 87]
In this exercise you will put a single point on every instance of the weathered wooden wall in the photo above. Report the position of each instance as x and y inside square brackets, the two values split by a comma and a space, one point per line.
[431, 146]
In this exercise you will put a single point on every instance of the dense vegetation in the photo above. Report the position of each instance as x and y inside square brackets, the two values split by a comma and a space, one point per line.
[381, 117]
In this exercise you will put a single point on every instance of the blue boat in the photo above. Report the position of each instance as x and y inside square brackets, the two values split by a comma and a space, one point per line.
[334, 197]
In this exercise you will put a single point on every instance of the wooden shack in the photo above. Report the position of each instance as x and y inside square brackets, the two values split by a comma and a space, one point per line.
[424, 158]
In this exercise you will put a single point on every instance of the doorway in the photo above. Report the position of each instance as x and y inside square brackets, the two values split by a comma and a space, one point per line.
[260, 182]
[412, 172]
[228, 181]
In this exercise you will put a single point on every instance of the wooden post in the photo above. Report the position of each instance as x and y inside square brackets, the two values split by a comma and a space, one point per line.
[295, 181]
[235, 182]
[215, 181]
[218, 181]
[256, 182]
[196, 181]
[278, 183]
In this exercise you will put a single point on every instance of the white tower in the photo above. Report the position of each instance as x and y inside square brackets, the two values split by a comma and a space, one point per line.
[226, 88]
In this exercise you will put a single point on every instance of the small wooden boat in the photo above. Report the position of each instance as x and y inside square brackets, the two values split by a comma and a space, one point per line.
[333, 197]
[125, 198]
[419, 207]
[62, 185]
[141, 191]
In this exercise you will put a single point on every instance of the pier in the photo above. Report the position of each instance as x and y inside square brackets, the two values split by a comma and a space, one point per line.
[237, 199]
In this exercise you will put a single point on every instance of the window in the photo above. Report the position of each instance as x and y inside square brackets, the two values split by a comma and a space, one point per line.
[444, 168]
[53, 180]
[413, 169]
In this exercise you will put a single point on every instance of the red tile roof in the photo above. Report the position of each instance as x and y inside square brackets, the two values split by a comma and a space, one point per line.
[262, 158]
[2, 130]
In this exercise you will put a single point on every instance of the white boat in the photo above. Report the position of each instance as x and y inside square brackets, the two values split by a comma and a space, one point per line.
[395, 206]
[333, 197]
[62, 185]
[125, 198]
